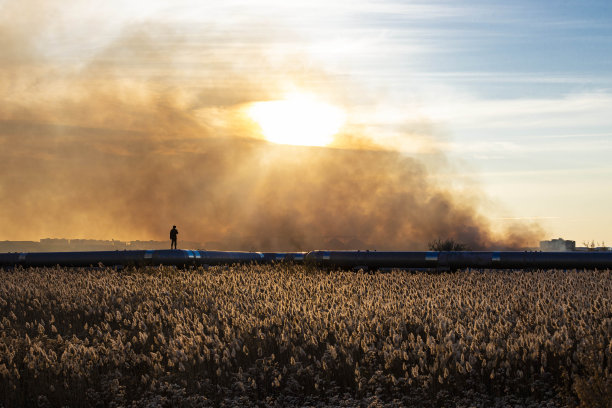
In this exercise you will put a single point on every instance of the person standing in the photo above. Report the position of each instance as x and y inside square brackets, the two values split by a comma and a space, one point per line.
[173, 236]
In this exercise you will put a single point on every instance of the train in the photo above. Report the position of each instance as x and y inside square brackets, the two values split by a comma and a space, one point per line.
[367, 260]
[170, 257]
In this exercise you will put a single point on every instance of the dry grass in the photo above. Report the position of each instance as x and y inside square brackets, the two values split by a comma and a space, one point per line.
[286, 335]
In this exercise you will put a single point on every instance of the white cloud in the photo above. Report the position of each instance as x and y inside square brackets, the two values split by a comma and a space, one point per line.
[463, 110]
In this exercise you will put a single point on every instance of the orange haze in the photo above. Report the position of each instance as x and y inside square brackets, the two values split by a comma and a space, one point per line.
[146, 133]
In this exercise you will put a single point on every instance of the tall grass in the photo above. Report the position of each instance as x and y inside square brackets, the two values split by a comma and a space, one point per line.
[286, 335]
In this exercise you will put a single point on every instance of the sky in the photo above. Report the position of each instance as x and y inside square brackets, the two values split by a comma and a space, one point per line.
[502, 108]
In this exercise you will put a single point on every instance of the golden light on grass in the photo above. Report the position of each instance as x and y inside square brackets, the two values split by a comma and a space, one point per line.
[298, 335]
[297, 120]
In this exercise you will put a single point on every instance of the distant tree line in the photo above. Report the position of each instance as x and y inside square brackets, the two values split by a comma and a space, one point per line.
[594, 246]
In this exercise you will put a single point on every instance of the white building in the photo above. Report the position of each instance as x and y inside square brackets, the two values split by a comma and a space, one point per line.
[558, 245]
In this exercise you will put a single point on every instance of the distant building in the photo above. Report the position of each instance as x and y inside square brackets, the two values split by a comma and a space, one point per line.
[68, 245]
[19, 246]
[558, 245]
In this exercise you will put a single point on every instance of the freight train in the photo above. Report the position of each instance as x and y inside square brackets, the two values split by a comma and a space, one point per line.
[326, 259]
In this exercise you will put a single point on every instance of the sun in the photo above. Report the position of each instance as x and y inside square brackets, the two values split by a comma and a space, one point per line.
[297, 120]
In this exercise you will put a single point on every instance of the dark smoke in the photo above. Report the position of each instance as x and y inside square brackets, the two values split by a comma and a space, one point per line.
[129, 144]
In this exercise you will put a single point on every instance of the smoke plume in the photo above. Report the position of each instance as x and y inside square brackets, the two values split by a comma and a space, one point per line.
[147, 132]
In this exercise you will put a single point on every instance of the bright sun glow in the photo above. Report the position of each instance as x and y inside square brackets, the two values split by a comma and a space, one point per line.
[297, 120]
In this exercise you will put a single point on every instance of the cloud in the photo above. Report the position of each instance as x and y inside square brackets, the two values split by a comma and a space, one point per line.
[147, 132]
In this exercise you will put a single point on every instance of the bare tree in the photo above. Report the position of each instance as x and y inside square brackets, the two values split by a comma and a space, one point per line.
[447, 244]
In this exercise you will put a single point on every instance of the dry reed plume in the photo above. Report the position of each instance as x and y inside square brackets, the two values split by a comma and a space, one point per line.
[286, 335]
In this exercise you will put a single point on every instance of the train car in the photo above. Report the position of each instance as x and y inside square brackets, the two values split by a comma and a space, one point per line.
[327, 259]
[461, 259]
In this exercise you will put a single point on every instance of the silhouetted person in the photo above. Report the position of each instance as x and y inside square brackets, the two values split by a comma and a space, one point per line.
[173, 234]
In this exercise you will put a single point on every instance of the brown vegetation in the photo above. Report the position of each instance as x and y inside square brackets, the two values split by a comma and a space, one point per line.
[286, 335]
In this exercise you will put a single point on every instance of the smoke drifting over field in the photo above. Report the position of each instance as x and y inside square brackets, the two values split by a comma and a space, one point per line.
[147, 132]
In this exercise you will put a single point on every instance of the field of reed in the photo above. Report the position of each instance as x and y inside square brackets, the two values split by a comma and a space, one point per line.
[287, 335]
